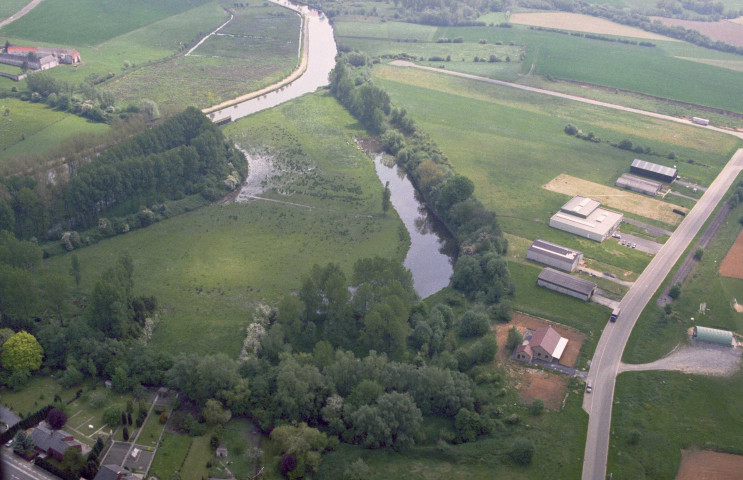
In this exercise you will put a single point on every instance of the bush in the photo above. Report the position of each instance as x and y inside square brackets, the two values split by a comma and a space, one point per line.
[537, 407]
[514, 338]
[698, 254]
[163, 418]
[473, 324]
[675, 291]
[522, 451]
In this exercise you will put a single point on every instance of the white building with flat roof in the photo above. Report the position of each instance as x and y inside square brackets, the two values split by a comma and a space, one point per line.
[583, 217]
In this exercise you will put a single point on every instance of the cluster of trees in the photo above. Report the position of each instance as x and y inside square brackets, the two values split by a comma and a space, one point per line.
[184, 155]
[84, 99]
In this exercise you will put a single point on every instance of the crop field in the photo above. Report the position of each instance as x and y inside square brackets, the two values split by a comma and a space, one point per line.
[732, 264]
[722, 30]
[259, 49]
[10, 7]
[209, 268]
[42, 127]
[701, 464]
[510, 143]
[619, 199]
[95, 21]
[582, 23]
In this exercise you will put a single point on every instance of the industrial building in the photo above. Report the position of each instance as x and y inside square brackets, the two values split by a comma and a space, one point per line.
[567, 284]
[653, 170]
[639, 184]
[583, 217]
[554, 255]
[713, 335]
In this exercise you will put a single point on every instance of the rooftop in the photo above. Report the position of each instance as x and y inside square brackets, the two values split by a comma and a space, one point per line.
[550, 340]
[569, 282]
[600, 221]
[654, 167]
[580, 206]
[628, 180]
[45, 438]
[554, 250]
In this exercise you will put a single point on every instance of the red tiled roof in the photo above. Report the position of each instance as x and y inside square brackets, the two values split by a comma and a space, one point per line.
[17, 49]
[547, 338]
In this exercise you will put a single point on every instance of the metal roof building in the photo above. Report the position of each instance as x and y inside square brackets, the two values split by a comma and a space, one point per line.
[653, 170]
[581, 216]
[567, 284]
[554, 255]
[638, 184]
[713, 335]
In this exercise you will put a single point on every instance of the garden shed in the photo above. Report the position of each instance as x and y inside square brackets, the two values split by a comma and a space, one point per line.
[713, 335]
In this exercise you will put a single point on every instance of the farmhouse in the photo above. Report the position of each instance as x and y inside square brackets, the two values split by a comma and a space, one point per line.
[53, 442]
[638, 184]
[713, 335]
[653, 170]
[113, 472]
[554, 255]
[567, 284]
[583, 217]
[546, 344]
[38, 58]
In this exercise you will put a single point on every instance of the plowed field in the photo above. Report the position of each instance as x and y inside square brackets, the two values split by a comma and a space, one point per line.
[732, 264]
[704, 465]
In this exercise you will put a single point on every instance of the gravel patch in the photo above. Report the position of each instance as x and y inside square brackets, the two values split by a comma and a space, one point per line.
[697, 357]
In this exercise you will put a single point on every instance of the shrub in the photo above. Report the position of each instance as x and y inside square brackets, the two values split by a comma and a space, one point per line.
[163, 418]
[537, 407]
[125, 434]
[675, 291]
[473, 324]
[56, 418]
[514, 338]
[522, 451]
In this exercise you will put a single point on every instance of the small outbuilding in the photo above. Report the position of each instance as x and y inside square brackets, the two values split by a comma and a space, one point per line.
[713, 335]
[638, 184]
[554, 255]
[653, 170]
[567, 284]
[221, 452]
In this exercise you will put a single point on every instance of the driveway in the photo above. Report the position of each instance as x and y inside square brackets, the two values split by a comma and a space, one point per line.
[8, 417]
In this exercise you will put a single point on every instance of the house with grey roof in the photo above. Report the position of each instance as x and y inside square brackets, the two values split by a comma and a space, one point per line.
[53, 443]
[113, 472]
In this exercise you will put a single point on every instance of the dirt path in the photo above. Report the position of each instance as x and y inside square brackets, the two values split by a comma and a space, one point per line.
[21, 13]
[699, 358]
[209, 35]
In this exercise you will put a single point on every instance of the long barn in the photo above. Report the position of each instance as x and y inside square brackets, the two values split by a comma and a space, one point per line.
[653, 170]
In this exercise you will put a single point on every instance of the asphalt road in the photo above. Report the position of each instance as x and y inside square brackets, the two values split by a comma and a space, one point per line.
[15, 468]
[608, 354]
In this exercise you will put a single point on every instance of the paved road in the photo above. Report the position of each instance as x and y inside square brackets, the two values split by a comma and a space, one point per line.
[15, 468]
[21, 13]
[606, 359]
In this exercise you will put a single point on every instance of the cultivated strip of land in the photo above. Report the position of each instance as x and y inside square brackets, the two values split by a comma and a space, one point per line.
[582, 23]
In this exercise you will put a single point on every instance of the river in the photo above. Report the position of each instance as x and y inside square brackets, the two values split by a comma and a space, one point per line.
[432, 249]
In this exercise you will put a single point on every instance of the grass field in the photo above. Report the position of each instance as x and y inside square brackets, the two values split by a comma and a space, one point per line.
[10, 7]
[35, 127]
[511, 143]
[209, 268]
[258, 47]
[95, 20]
[170, 455]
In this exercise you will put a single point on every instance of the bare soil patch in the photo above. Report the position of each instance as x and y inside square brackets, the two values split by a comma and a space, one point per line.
[549, 387]
[732, 264]
[616, 198]
[581, 23]
[706, 465]
[727, 31]
[523, 322]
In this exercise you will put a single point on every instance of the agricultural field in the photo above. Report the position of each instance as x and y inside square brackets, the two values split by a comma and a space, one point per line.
[221, 261]
[582, 23]
[35, 127]
[257, 48]
[10, 7]
[732, 264]
[723, 30]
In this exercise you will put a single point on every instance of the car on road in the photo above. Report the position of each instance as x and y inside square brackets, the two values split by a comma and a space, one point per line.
[634, 245]
[589, 388]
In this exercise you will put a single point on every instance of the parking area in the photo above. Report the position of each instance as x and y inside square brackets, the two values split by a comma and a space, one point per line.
[640, 243]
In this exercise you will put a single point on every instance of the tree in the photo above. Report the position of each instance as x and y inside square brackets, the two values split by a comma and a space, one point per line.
[22, 352]
[304, 443]
[149, 108]
[112, 415]
[72, 463]
[522, 451]
[358, 470]
[514, 338]
[699, 254]
[386, 194]
[214, 413]
[457, 188]
[125, 434]
[473, 324]
[56, 418]
[395, 421]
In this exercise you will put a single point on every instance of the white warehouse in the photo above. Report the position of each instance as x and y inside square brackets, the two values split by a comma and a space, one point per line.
[554, 255]
[583, 217]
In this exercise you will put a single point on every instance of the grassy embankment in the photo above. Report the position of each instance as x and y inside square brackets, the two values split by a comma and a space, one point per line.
[34, 128]
[648, 70]
[664, 412]
[210, 267]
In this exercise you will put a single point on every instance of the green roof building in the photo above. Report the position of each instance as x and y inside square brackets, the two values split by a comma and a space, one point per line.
[713, 335]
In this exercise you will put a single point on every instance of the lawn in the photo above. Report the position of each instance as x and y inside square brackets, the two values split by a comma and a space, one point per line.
[95, 21]
[257, 48]
[34, 128]
[194, 466]
[512, 143]
[211, 267]
[151, 429]
[170, 455]
[10, 7]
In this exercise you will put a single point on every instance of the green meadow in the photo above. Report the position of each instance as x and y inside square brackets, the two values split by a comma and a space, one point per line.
[10, 7]
[211, 267]
[35, 127]
[257, 48]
